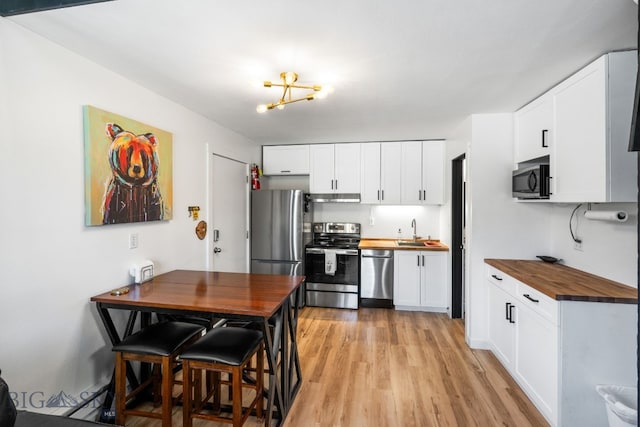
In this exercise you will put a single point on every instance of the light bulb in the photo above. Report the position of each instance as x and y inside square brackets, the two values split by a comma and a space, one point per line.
[280, 106]
[290, 77]
[324, 92]
[261, 108]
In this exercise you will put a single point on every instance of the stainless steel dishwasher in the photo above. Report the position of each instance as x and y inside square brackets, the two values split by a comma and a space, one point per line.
[376, 278]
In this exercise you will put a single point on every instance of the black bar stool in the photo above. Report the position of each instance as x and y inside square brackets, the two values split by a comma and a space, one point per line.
[228, 349]
[160, 344]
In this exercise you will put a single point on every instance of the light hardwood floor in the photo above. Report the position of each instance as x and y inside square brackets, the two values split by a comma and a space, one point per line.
[378, 367]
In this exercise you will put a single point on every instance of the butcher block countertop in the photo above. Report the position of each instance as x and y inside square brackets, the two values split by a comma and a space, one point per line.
[380, 243]
[564, 283]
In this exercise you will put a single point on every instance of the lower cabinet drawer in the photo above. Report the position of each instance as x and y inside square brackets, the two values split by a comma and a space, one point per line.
[538, 302]
[501, 280]
[331, 299]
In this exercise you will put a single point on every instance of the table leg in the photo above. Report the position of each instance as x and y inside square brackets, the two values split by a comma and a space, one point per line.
[115, 338]
[294, 358]
[272, 339]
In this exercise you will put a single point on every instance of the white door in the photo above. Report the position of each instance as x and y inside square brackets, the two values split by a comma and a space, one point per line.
[228, 228]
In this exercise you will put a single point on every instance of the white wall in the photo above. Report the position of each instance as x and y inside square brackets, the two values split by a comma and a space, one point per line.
[609, 249]
[497, 226]
[50, 263]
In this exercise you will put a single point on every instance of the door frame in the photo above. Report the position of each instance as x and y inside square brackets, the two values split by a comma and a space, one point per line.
[458, 221]
[209, 243]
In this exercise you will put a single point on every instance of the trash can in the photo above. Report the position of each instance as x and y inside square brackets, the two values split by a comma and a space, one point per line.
[622, 404]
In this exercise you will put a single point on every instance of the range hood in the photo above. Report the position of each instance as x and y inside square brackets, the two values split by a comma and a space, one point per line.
[335, 198]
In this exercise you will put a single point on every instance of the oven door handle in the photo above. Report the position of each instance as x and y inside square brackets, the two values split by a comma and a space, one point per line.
[346, 252]
[314, 251]
[338, 251]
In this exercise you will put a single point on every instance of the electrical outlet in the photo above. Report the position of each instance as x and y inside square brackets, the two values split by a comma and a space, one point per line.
[577, 246]
[133, 240]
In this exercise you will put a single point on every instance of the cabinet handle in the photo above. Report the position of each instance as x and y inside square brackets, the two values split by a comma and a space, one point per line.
[378, 194]
[527, 296]
[544, 138]
[419, 194]
[511, 313]
[336, 184]
[507, 305]
[424, 195]
[382, 194]
[423, 260]
[332, 184]
[285, 171]
[418, 256]
[496, 277]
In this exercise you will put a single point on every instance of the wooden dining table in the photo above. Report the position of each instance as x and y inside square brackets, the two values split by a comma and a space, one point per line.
[271, 301]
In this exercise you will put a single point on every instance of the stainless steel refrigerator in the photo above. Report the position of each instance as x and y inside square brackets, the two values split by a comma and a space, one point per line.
[278, 236]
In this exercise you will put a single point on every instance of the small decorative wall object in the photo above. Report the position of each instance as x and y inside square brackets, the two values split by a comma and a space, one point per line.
[201, 230]
[194, 212]
[128, 170]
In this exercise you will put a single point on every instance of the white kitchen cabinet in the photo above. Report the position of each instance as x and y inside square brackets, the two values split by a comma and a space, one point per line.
[593, 109]
[334, 168]
[420, 280]
[523, 334]
[285, 159]
[422, 172]
[502, 331]
[557, 351]
[534, 129]
[536, 358]
[583, 125]
[380, 181]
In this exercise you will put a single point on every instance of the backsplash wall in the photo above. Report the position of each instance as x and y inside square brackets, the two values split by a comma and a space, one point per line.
[375, 220]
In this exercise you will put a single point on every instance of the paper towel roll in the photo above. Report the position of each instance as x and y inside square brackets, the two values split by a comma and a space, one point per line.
[616, 216]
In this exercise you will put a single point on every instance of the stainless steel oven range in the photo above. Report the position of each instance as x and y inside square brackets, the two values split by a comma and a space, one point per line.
[332, 265]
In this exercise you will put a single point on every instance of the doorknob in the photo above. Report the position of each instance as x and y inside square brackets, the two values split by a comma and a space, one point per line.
[217, 250]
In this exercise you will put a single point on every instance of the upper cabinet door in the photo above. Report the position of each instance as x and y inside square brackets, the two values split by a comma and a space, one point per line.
[411, 171]
[433, 172]
[285, 160]
[579, 158]
[347, 168]
[370, 173]
[335, 168]
[390, 175]
[534, 129]
[593, 108]
[423, 173]
[321, 168]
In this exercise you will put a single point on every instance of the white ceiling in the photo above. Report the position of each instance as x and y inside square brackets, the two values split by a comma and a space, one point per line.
[401, 69]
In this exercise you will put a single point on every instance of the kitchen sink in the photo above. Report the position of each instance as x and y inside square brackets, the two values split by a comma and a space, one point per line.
[417, 243]
[409, 243]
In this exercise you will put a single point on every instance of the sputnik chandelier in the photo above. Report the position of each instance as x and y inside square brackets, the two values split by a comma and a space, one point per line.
[289, 79]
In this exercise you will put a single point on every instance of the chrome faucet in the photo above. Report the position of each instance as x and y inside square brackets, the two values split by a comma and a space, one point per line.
[415, 234]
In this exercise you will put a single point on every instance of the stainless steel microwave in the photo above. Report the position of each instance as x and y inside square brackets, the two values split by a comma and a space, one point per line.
[531, 182]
